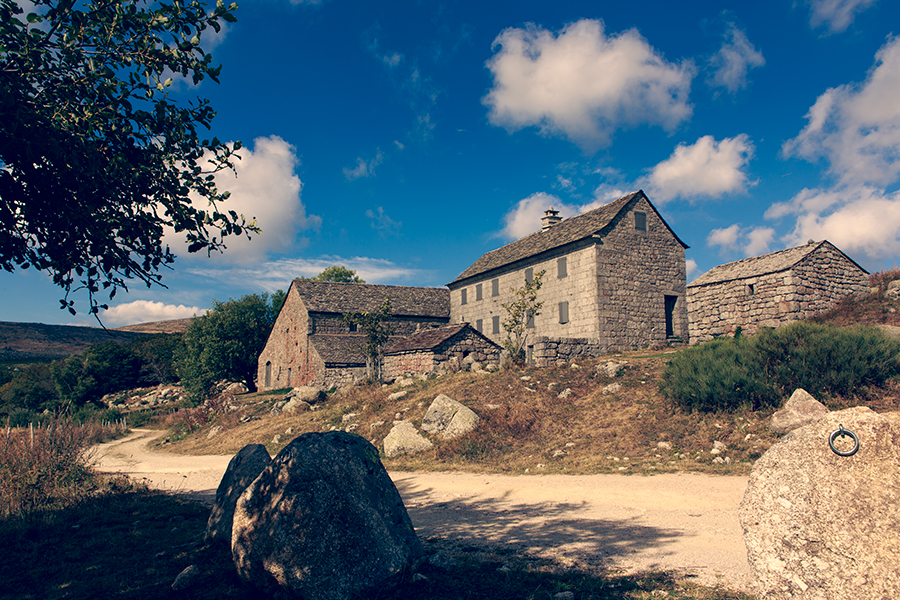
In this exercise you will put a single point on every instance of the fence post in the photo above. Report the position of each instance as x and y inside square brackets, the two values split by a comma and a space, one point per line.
[31, 425]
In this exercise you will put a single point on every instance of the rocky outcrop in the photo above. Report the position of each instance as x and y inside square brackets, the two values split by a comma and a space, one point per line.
[305, 393]
[404, 439]
[448, 418]
[323, 521]
[800, 409]
[243, 468]
[822, 526]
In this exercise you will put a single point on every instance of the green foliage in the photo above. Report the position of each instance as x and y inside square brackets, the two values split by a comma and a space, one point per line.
[760, 371]
[97, 161]
[157, 356]
[31, 389]
[278, 299]
[99, 370]
[722, 374]
[339, 274]
[225, 344]
[518, 312]
[374, 324]
[824, 360]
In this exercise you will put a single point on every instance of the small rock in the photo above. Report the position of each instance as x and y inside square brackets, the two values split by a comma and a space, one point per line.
[215, 429]
[525, 378]
[611, 388]
[449, 418]
[558, 453]
[565, 393]
[398, 395]
[376, 424]
[276, 439]
[575, 367]
[186, 578]
[718, 460]
[664, 445]
[611, 368]
[404, 439]
[564, 596]
[289, 431]
[800, 409]
[349, 417]
[718, 447]
[296, 405]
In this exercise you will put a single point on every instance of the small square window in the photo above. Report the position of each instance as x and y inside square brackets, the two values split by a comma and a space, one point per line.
[640, 221]
[463, 300]
[479, 324]
[478, 292]
[495, 324]
[529, 274]
[529, 322]
[564, 312]
[561, 270]
[751, 289]
[495, 287]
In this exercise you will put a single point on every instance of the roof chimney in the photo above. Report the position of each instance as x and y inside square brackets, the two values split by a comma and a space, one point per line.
[551, 217]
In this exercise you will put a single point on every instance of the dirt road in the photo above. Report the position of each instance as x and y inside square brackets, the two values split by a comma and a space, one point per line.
[682, 522]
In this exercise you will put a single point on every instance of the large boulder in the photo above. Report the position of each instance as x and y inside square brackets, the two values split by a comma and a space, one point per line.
[243, 468]
[306, 393]
[449, 418]
[323, 521]
[800, 409]
[822, 526]
[404, 439]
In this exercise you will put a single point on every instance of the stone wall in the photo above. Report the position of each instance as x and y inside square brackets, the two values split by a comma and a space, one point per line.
[286, 361]
[547, 351]
[816, 283]
[402, 325]
[339, 377]
[636, 271]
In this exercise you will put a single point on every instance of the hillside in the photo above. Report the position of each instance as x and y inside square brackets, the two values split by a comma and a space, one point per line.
[37, 341]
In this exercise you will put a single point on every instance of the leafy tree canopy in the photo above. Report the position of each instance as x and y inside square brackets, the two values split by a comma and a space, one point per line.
[378, 331]
[225, 343]
[339, 274]
[96, 159]
[519, 313]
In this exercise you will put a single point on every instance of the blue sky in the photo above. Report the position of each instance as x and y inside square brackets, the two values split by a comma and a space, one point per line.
[404, 139]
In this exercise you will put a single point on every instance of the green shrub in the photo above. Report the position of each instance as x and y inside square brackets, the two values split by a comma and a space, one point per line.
[726, 374]
[721, 374]
[826, 360]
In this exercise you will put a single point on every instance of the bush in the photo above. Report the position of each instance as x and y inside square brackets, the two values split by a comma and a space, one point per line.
[722, 374]
[99, 370]
[825, 360]
[757, 372]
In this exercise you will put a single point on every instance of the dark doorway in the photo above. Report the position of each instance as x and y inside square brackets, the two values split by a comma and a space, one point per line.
[670, 312]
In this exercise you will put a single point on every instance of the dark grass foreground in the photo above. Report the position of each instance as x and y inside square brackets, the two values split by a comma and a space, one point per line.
[133, 544]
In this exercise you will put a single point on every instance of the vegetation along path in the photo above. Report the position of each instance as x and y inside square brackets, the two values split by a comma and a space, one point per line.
[684, 522]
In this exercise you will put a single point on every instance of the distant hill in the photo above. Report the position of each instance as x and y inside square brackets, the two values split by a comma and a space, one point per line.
[35, 341]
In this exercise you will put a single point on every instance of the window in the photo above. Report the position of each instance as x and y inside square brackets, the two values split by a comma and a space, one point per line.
[640, 221]
[479, 324]
[352, 327]
[495, 324]
[529, 322]
[751, 289]
[561, 270]
[478, 292]
[564, 312]
[495, 287]
[463, 296]
[529, 274]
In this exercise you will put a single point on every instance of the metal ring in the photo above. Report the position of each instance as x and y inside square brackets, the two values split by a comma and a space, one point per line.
[841, 432]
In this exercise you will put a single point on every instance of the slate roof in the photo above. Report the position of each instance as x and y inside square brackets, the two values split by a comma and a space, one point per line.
[766, 264]
[331, 297]
[342, 349]
[565, 232]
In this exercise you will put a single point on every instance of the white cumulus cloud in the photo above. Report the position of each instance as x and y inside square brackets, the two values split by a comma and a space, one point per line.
[264, 186]
[733, 60]
[705, 169]
[525, 217]
[856, 127]
[749, 241]
[145, 311]
[583, 84]
[837, 15]
[858, 220]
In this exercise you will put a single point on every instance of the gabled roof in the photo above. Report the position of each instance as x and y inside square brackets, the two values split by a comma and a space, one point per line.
[766, 264]
[331, 297]
[428, 339]
[573, 229]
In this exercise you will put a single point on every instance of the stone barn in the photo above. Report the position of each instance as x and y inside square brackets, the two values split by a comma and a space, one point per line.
[770, 290]
[433, 350]
[310, 343]
[614, 280]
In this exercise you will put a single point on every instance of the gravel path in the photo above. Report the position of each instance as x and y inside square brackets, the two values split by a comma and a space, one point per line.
[683, 522]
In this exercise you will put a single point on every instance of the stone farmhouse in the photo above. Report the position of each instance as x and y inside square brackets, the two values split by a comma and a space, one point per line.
[438, 350]
[770, 290]
[310, 343]
[614, 280]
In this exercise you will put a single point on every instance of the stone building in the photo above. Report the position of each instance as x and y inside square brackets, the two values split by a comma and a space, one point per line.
[770, 290]
[310, 343]
[434, 350]
[614, 280]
